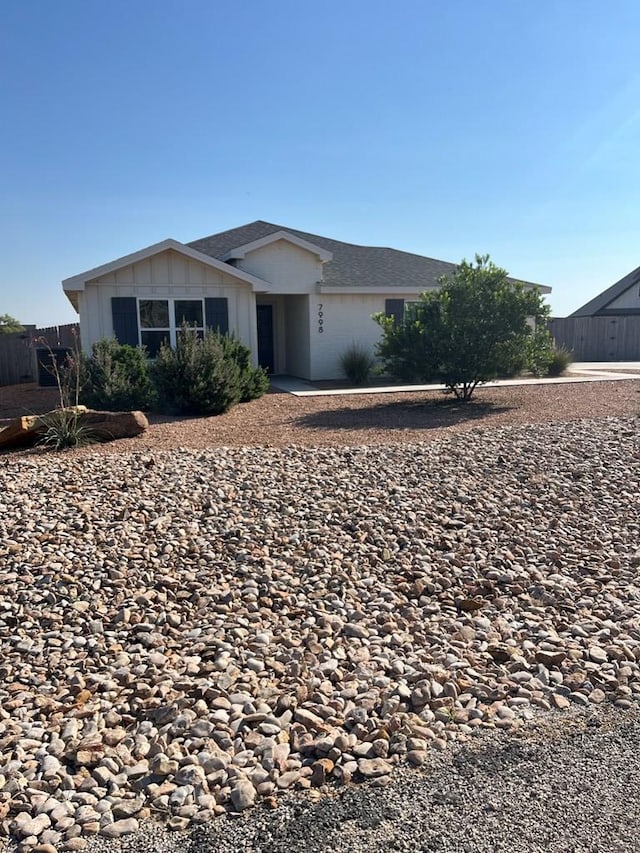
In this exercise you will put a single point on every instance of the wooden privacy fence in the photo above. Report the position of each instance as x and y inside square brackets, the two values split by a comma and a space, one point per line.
[59, 336]
[613, 338]
[18, 358]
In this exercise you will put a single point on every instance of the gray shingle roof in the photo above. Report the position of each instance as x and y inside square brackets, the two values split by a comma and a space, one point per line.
[352, 266]
[599, 303]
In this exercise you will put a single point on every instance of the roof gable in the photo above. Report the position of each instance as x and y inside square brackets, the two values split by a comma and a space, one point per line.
[77, 282]
[598, 304]
[238, 253]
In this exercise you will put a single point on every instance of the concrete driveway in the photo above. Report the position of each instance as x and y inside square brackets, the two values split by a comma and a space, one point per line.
[580, 371]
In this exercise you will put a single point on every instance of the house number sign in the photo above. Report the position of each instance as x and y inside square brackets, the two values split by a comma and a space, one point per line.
[320, 319]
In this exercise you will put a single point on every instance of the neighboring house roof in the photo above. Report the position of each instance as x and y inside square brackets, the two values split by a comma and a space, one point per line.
[599, 304]
[351, 266]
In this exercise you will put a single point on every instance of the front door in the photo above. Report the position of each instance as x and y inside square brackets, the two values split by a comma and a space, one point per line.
[265, 337]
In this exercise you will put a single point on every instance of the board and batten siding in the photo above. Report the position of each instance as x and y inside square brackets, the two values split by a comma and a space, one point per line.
[165, 268]
[346, 319]
[167, 275]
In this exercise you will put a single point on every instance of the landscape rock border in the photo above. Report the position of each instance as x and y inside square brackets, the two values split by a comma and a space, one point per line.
[28, 430]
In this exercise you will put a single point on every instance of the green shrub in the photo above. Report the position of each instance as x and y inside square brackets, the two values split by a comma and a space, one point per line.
[116, 376]
[561, 358]
[539, 351]
[206, 376]
[407, 349]
[471, 331]
[357, 363]
[254, 381]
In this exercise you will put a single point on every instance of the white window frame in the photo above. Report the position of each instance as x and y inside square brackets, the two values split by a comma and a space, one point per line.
[407, 304]
[173, 329]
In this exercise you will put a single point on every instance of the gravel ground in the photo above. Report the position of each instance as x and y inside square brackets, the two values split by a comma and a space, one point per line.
[281, 420]
[228, 639]
[571, 784]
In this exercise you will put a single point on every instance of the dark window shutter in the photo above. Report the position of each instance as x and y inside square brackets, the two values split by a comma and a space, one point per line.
[124, 312]
[394, 308]
[216, 314]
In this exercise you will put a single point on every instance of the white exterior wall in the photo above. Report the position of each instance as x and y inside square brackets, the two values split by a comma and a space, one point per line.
[346, 319]
[165, 275]
[288, 268]
[629, 299]
[83, 320]
[296, 311]
[291, 333]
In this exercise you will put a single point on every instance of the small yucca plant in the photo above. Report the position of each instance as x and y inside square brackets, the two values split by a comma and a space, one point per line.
[357, 363]
[63, 429]
[561, 358]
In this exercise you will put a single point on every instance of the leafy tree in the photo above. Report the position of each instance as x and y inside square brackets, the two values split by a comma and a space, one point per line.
[9, 325]
[475, 328]
[407, 349]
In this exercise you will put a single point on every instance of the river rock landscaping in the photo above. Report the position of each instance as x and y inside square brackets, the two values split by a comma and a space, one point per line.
[193, 632]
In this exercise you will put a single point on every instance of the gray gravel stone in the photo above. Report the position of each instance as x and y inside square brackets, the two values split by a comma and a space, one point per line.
[120, 828]
[225, 620]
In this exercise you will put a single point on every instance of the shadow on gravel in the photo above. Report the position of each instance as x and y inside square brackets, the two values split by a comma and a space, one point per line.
[427, 414]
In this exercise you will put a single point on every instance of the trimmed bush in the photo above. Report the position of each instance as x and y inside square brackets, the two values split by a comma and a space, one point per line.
[116, 377]
[205, 376]
[357, 363]
[201, 376]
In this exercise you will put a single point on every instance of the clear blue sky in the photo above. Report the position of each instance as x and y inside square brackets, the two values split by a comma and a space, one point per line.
[442, 128]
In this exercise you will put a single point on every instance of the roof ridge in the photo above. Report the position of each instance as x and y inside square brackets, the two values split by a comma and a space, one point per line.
[336, 240]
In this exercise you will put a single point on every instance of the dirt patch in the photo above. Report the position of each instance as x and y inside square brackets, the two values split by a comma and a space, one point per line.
[279, 419]
[28, 399]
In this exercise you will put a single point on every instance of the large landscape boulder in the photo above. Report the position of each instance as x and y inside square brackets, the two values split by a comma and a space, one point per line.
[103, 426]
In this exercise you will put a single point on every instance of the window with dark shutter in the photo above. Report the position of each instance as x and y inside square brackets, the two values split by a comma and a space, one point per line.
[394, 308]
[124, 315]
[154, 321]
[216, 312]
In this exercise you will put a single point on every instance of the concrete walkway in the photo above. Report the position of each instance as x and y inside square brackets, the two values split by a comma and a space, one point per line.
[584, 371]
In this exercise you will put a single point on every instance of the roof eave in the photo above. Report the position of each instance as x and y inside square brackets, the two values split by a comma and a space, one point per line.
[72, 296]
[400, 288]
[600, 302]
[372, 288]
